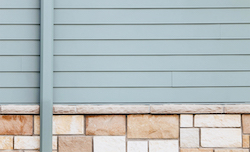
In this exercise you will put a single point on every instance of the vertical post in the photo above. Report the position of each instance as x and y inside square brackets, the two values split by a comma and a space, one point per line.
[46, 74]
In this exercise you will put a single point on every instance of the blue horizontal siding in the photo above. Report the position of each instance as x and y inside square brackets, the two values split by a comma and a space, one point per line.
[27, 79]
[21, 47]
[20, 4]
[9, 32]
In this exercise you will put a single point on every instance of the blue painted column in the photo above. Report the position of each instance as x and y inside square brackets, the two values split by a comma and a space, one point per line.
[46, 74]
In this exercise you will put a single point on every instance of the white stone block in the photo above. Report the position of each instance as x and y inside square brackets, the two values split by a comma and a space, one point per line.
[163, 146]
[137, 146]
[186, 120]
[189, 137]
[109, 144]
[220, 120]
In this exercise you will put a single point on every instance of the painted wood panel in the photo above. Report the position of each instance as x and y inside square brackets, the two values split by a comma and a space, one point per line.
[20, 47]
[149, 3]
[28, 79]
[19, 32]
[20, 4]
[150, 16]
[205, 79]
[151, 63]
[152, 95]
[151, 47]
[19, 16]
[112, 79]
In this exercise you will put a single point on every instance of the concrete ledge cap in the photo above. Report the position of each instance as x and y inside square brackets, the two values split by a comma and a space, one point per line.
[20, 109]
[237, 108]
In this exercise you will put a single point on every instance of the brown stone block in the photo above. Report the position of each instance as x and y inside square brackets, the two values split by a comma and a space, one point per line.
[245, 139]
[197, 150]
[75, 144]
[105, 125]
[246, 123]
[153, 126]
[16, 124]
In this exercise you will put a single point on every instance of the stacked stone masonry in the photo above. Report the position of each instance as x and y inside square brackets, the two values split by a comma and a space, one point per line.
[123, 129]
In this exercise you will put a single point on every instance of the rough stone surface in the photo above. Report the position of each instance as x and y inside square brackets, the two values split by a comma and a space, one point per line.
[163, 146]
[152, 126]
[20, 109]
[168, 109]
[245, 141]
[54, 142]
[75, 144]
[189, 137]
[64, 109]
[112, 109]
[27, 142]
[106, 125]
[214, 120]
[63, 124]
[231, 150]
[237, 108]
[137, 146]
[16, 124]
[186, 120]
[197, 150]
[221, 137]
[109, 144]
[246, 123]
[6, 142]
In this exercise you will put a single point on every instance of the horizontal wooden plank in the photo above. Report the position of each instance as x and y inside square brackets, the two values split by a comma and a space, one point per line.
[19, 16]
[19, 63]
[150, 47]
[19, 4]
[149, 3]
[19, 48]
[188, 79]
[147, 16]
[213, 31]
[136, 31]
[19, 80]
[91, 95]
[19, 95]
[19, 31]
[112, 79]
[151, 63]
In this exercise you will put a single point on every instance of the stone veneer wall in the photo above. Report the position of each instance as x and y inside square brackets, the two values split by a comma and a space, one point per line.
[129, 128]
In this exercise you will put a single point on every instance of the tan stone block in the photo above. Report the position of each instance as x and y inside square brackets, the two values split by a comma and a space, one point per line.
[231, 150]
[186, 120]
[153, 126]
[170, 109]
[189, 137]
[63, 124]
[197, 150]
[27, 142]
[245, 139]
[64, 109]
[6, 142]
[20, 109]
[75, 144]
[112, 109]
[246, 123]
[221, 137]
[68, 124]
[16, 125]
[106, 125]
[217, 120]
[54, 142]
[237, 108]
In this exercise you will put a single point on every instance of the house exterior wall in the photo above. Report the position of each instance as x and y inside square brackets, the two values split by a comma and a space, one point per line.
[129, 128]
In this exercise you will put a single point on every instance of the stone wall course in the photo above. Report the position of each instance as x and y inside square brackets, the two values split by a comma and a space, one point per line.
[75, 144]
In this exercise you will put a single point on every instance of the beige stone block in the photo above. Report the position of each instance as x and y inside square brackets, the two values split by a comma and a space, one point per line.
[219, 120]
[16, 125]
[112, 109]
[163, 146]
[54, 142]
[137, 146]
[109, 144]
[197, 150]
[153, 126]
[221, 137]
[231, 150]
[20, 109]
[64, 109]
[75, 144]
[186, 120]
[189, 137]
[6, 142]
[246, 123]
[245, 139]
[237, 108]
[27, 142]
[179, 109]
[109, 125]
[63, 124]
